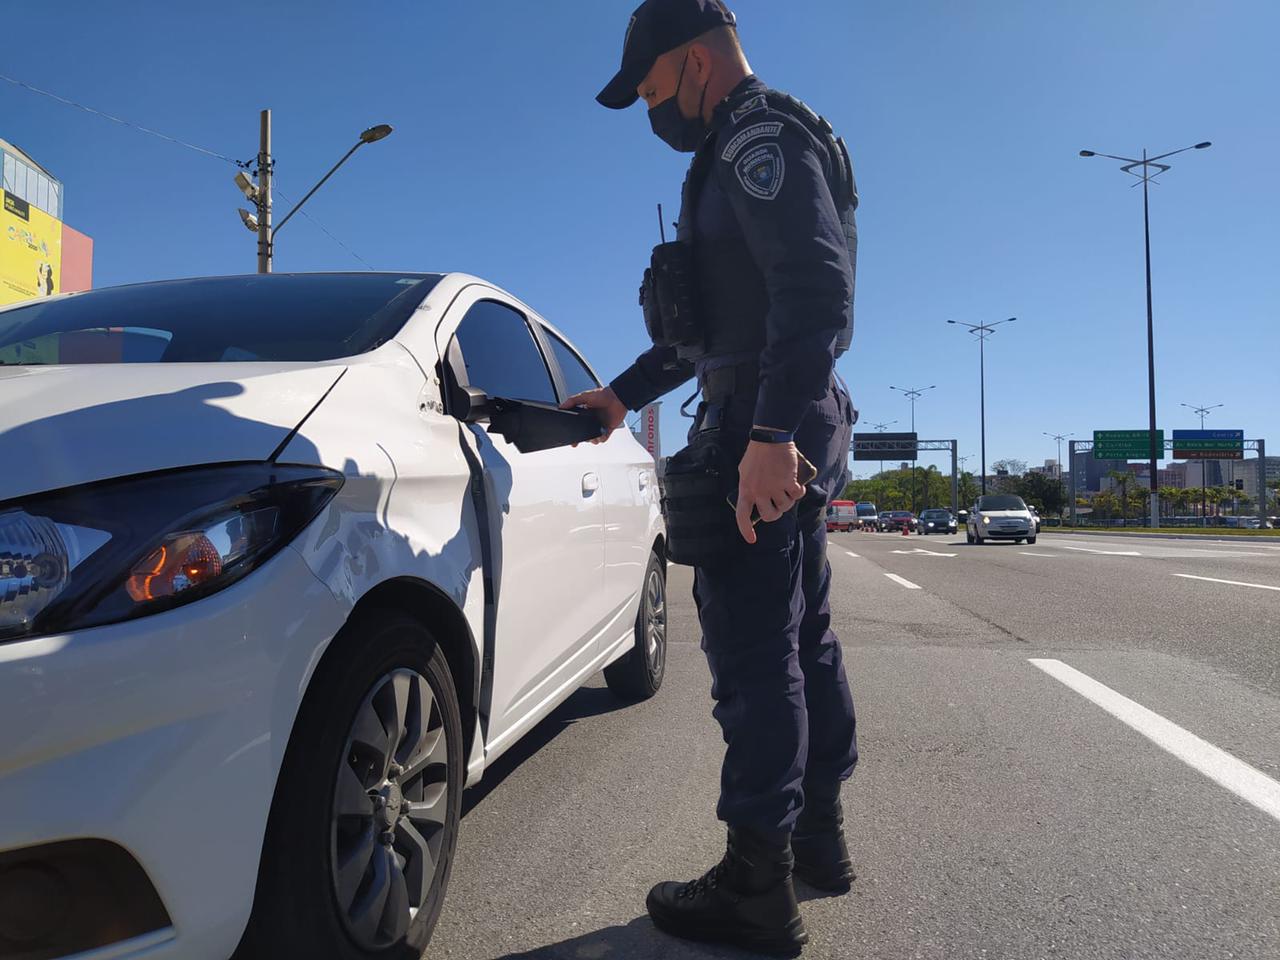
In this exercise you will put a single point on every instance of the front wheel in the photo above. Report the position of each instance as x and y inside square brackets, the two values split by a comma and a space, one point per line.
[1031, 541]
[638, 675]
[361, 836]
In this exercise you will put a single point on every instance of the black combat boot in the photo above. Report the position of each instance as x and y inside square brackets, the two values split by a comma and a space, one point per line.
[745, 900]
[822, 858]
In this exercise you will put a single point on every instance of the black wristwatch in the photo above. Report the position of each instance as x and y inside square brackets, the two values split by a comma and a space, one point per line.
[761, 435]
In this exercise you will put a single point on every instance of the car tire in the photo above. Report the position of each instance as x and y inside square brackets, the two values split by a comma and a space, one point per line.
[1031, 541]
[968, 536]
[638, 675]
[382, 669]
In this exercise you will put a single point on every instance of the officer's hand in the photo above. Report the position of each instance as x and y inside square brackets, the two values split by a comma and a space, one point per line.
[767, 481]
[608, 407]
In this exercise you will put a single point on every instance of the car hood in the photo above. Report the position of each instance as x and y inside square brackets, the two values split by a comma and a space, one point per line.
[1005, 514]
[66, 425]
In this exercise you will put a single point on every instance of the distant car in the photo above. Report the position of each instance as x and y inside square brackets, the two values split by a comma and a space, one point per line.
[1001, 516]
[1035, 515]
[841, 515]
[936, 521]
[866, 515]
[962, 517]
[883, 520]
[901, 518]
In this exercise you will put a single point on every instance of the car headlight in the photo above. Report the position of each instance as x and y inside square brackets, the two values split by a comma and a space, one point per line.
[108, 552]
[929, 523]
[986, 519]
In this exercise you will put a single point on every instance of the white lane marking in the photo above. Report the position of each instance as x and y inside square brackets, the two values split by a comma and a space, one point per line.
[852, 554]
[1234, 583]
[903, 581]
[1237, 776]
[927, 552]
[1051, 556]
[1108, 553]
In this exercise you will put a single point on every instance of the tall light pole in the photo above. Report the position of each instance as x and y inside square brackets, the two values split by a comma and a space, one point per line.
[881, 428]
[1150, 168]
[1203, 412]
[1059, 437]
[982, 331]
[259, 194]
[913, 394]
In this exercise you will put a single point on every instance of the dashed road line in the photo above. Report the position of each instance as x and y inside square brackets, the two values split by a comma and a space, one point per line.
[1051, 556]
[1233, 583]
[1108, 553]
[852, 554]
[1237, 776]
[903, 581]
[930, 553]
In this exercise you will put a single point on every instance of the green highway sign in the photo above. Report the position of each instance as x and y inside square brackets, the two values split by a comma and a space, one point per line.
[1125, 444]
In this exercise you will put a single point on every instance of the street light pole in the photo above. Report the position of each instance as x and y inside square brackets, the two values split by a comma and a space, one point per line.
[264, 193]
[881, 428]
[1202, 412]
[1059, 437]
[982, 331]
[913, 394]
[1150, 169]
[260, 193]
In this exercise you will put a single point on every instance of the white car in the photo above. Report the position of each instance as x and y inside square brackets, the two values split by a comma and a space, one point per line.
[271, 596]
[1000, 516]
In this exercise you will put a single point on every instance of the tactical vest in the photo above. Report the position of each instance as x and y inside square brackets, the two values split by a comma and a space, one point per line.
[731, 302]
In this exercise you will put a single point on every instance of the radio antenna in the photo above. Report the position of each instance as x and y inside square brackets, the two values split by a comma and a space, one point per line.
[662, 230]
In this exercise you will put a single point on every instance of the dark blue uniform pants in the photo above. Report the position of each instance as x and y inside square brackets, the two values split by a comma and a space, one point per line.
[778, 679]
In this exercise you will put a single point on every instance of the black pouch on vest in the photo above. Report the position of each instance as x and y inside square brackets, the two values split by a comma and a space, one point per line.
[701, 528]
[666, 295]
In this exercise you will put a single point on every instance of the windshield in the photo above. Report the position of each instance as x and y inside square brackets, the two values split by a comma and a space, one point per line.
[278, 317]
[866, 510]
[935, 515]
[1001, 502]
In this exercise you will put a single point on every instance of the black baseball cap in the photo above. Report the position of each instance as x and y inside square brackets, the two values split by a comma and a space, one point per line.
[656, 27]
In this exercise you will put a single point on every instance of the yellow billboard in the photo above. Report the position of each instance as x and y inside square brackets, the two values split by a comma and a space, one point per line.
[30, 252]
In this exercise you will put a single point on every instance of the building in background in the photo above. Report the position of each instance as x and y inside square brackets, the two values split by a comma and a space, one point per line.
[39, 254]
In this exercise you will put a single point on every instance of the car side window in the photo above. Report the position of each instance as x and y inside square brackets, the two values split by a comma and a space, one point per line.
[577, 378]
[500, 356]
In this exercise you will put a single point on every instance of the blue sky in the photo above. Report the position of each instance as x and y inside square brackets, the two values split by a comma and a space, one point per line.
[965, 119]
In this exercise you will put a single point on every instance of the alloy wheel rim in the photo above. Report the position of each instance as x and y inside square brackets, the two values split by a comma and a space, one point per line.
[390, 805]
[655, 624]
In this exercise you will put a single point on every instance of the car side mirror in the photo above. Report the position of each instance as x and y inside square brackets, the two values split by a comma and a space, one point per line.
[471, 405]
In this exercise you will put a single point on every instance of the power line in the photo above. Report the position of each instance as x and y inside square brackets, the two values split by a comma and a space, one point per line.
[182, 143]
[324, 230]
[126, 123]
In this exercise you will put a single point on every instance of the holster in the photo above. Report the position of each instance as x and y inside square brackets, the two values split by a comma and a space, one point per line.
[666, 296]
[701, 528]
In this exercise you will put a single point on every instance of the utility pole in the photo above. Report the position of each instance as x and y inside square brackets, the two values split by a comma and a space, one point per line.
[264, 194]
[1150, 169]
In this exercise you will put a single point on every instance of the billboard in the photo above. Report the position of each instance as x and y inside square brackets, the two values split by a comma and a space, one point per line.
[30, 251]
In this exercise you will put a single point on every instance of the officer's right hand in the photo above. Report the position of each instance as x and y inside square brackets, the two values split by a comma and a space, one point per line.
[608, 407]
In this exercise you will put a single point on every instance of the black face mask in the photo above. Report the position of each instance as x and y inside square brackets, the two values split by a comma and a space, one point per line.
[683, 134]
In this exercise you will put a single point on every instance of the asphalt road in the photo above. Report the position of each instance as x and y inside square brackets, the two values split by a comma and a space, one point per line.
[1069, 749]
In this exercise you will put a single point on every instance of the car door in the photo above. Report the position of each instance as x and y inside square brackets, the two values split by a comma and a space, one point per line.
[546, 520]
[628, 488]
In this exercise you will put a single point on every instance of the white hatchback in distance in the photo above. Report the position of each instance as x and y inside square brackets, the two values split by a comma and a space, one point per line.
[1000, 516]
[271, 595]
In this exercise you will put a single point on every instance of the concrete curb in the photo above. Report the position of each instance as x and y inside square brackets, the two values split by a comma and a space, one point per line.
[1203, 537]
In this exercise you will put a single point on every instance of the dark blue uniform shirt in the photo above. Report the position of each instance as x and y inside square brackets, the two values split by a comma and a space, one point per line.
[769, 243]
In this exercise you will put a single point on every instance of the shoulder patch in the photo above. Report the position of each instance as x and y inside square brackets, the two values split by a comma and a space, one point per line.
[761, 171]
[757, 102]
[734, 147]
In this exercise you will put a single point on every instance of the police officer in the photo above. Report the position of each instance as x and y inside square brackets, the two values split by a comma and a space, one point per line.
[768, 231]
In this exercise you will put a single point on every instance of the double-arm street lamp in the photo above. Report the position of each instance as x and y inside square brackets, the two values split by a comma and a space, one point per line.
[913, 394]
[1146, 170]
[881, 428]
[1059, 437]
[260, 193]
[982, 331]
[1203, 412]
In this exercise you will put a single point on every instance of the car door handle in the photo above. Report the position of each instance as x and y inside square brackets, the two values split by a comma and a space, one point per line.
[590, 484]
